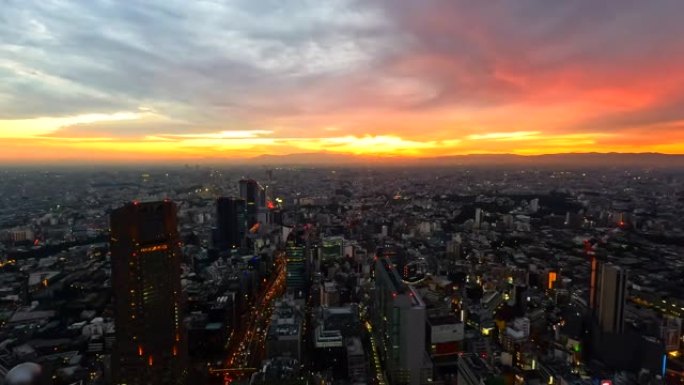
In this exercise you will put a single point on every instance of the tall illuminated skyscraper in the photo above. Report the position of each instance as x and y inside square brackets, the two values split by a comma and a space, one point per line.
[148, 305]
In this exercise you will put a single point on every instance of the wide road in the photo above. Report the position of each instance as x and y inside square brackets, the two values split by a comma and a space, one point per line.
[246, 346]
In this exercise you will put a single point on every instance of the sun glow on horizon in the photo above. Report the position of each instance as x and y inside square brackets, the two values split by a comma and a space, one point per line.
[23, 144]
[365, 79]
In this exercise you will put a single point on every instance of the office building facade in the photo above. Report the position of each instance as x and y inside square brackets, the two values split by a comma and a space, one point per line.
[252, 193]
[400, 319]
[296, 278]
[231, 218]
[148, 303]
[611, 298]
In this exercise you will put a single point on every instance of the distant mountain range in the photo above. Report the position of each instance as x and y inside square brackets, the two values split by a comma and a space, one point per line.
[571, 159]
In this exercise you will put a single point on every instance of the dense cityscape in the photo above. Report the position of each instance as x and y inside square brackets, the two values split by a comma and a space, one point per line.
[341, 192]
[463, 275]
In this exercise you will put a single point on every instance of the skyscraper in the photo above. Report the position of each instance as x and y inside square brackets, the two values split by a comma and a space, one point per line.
[231, 214]
[146, 256]
[296, 280]
[250, 192]
[611, 298]
[399, 320]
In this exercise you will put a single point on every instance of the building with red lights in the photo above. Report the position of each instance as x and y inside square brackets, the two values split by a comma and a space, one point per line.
[148, 304]
[400, 322]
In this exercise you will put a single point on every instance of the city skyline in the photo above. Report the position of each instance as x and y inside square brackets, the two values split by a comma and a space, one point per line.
[341, 192]
[114, 82]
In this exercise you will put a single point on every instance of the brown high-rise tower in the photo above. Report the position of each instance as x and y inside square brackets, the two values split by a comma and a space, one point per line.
[611, 298]
[146, 256]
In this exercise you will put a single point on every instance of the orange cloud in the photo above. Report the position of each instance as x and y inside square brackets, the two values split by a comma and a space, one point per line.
[229, 145]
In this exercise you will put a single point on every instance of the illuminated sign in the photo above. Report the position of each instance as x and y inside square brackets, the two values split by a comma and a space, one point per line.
[552, 279]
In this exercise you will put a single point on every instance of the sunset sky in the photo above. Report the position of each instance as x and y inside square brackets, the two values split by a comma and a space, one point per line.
[113, 80]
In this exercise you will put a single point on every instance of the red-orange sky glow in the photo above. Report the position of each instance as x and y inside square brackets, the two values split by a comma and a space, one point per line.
[195, 81]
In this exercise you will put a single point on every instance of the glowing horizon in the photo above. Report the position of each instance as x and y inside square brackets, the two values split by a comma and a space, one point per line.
[234, 80]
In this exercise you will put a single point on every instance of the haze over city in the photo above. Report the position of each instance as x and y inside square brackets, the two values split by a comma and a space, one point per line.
[175, 80]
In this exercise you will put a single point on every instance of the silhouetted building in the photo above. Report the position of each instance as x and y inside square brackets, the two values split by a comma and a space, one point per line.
[357, 367]
[250, 191]
[231, 215]
[611, 298]
[148, 305]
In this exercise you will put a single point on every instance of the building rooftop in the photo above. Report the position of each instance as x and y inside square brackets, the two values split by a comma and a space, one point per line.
[354, 346]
